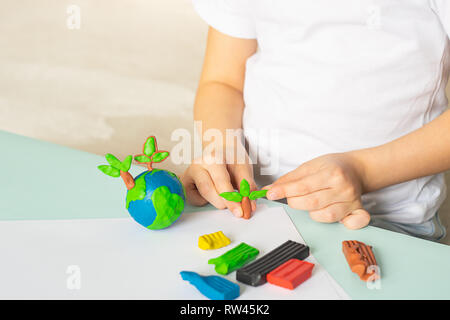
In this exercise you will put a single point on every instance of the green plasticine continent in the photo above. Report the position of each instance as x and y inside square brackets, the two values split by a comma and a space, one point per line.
[234, 259]
[139, 190]
[175, 176]
[168, 207]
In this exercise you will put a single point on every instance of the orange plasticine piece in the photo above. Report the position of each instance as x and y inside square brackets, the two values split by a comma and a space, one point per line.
[361, 260]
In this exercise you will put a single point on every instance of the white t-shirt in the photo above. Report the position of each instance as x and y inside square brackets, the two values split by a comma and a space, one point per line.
[333, 76]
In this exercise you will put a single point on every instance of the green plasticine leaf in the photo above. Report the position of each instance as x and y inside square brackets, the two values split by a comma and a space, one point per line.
[257, 194]
[168, 206]
[139, 190]
[234, 259]
[142, 159]
[231, 196]
[160, 156]
[113, 161]
[110, 171]
[244, 189]
[149, 146]
[126, 164]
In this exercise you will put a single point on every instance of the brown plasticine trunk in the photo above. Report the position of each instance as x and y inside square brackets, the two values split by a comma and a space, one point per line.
[246, 208]
[127, 179]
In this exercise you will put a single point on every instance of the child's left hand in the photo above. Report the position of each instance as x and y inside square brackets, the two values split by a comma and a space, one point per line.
[329, 187]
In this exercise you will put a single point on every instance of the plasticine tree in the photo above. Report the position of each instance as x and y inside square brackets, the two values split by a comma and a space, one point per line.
[117, 169]
[151, 154]
[244, 196]
[155, 198]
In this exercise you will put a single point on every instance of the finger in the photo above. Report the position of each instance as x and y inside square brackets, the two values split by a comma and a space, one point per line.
[317, 200]
[303, 186]
[302, 171]
[267, 187]
[253, 203]
[206, 188]
[358, 219]
[334, 212]
[222, 182]
[240, 172]
[192, 194]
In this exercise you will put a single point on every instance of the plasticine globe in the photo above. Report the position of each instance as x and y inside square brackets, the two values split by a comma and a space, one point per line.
[157, 200]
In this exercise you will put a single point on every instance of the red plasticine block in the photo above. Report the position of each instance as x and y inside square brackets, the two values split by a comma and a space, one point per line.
[290, 274]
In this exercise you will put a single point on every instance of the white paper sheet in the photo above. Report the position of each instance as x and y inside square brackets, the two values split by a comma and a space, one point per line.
[119, 259]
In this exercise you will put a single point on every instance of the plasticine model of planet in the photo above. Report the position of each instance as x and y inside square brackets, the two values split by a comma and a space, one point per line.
[157, 199]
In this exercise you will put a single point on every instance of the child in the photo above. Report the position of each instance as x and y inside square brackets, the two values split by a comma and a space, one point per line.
[355, 90]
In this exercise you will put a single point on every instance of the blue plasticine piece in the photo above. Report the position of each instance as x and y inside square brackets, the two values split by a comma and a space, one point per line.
[212, 287]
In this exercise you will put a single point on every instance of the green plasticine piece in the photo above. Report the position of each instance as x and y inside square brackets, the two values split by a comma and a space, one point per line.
[149, 146]
[142, 158]
[257, 194]
[168, 207]
[116, 165]
[160, 156]
[244, 188]
[234, 259]
[244, 191]
[231, 196]
[110, 171]
[175, 176]
[138, 192]
[126, 164]
[113, 161]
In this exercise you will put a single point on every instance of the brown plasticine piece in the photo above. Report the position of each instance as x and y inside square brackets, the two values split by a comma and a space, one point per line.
[360, 257]
[127, 179]
[246, 208]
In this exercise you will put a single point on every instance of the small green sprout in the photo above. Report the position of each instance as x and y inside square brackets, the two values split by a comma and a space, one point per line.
[244, 196]
[151, 154]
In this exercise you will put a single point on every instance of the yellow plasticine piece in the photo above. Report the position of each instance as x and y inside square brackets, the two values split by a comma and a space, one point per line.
[214, 240]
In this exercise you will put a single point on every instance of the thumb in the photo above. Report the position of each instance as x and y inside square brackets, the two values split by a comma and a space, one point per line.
[358, 219]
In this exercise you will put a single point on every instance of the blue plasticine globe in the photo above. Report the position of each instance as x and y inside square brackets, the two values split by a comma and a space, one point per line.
[157, 200]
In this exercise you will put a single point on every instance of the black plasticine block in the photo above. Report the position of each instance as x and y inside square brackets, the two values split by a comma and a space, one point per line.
[255, 273]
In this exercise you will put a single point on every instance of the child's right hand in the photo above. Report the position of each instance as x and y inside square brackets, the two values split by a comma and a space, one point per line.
[205, 180]
[219, 105]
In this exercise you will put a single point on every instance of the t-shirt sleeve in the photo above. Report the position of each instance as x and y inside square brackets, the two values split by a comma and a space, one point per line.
[231, 17]
[442, 9]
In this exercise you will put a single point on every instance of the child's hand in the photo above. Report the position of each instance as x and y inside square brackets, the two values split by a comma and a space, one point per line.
[329, 187]
[205, 180]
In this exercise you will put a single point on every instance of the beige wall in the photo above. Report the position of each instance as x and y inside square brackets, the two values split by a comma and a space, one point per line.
[130, 71]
